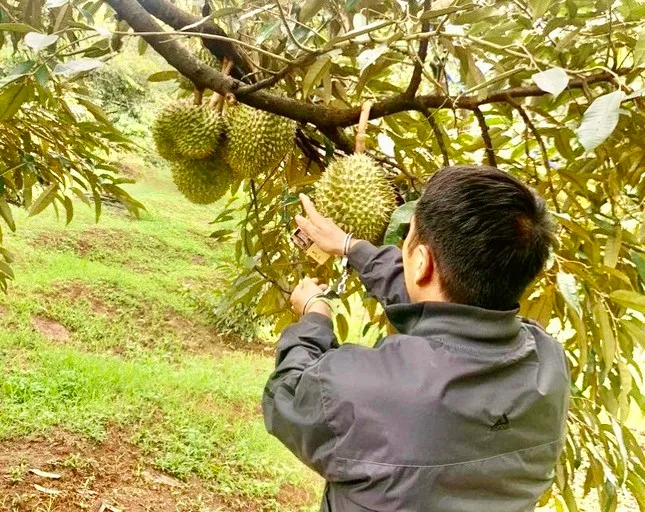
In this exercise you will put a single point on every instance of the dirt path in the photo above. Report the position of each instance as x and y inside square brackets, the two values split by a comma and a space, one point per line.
[108, 476]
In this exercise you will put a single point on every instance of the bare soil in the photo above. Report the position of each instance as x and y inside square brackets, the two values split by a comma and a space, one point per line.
[103, 476]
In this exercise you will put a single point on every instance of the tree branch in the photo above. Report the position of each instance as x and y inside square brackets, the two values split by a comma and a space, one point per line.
[321, 116]
[437, 133]
[545, 156]
[488, 143]
[177, 18]
[415, 81]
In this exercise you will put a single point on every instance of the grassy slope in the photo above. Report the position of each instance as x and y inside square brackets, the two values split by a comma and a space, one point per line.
[139, 355]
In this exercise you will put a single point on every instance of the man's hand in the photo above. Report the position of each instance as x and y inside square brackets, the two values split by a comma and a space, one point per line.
[323, 231]
[306, 289]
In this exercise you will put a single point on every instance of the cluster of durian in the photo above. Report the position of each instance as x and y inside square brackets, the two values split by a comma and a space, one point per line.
[210, 151]
[355, 193]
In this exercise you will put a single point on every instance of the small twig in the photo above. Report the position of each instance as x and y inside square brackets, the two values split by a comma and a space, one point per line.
[207, 36]
[488, 143]
[545, 156]
[415, 81]
[361, 129]
[437, 133]
[271, 81]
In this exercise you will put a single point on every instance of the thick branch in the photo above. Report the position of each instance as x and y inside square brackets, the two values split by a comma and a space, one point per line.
[319, 115]
[488, 143]
[177, 18]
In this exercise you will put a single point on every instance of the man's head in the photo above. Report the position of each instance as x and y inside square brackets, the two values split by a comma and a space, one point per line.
[478, 237]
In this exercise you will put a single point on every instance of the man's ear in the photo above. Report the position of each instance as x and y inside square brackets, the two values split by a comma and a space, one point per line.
[424, 265]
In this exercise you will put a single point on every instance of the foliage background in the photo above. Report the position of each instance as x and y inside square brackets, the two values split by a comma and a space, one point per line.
[452, 81]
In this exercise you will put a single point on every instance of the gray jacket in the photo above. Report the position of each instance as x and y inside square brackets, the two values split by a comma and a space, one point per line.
[463, 410]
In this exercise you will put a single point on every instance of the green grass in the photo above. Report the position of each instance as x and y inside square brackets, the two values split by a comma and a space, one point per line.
[142, 355]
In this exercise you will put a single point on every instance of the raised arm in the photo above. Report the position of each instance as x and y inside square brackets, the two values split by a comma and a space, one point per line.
[381, 271]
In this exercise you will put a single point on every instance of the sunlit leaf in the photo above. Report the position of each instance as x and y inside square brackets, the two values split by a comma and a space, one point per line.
[12, 98]
[399, 223]
[44, 200]
[629, 299]
[639, 50]
[600, 120]
[72, 67]
[37, 41]
[568, 287]
[553, 80]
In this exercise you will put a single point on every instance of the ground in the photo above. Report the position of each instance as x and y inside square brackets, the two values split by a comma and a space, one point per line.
[115, 378]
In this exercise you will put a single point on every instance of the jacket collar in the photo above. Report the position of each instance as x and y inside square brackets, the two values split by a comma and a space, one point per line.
[442, 318]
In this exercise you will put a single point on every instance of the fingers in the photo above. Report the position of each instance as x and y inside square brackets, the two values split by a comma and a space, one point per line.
[306, 225]
[310, 209]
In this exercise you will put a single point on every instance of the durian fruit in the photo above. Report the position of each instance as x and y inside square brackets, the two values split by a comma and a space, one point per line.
[257, 141]
[354, 192]
[183, 130]
[202, 181]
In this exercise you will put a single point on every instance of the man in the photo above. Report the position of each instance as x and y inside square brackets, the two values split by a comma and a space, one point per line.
[464, 409]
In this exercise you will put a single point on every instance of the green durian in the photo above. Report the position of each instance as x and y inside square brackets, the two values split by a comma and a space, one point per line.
[203, 181]
[183, 130]
[257, 141]
[354, 192]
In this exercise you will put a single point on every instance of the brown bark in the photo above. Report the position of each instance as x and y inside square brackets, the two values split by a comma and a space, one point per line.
[138, 16]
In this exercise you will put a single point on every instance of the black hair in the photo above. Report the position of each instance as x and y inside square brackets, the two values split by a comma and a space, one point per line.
[490, 234]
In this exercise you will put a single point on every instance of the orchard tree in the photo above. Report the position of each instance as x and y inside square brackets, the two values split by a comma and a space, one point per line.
[548, 90]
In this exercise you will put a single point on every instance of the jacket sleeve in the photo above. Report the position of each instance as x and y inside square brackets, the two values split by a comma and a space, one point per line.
[381, 271]
[294, 401]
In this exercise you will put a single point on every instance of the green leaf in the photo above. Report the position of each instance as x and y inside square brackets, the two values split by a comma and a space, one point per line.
[21, 28]
[553, 80]
[600, 120]
[43, 200]
[608, 341]
[6, 270]
[96, 111]
[162, 76]
[315, 74]
[266, 31]
[5, 211]
[629, 299]
[12, 98]
[639, 50]
[309, 9]
[539, 7]
[399, 223]
[343, 327]
[142, 46]
[568, 288]
[612, 249]
[226, 11]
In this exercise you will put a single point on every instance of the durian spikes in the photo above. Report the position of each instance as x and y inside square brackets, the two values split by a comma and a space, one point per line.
[257, 141]
[354, 192]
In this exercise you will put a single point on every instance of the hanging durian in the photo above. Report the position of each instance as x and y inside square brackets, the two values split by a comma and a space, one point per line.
[203, 181]
[257, 141]
[354, 192]
[184, 130]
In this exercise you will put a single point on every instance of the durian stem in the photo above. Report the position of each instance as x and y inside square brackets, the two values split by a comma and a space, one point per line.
[217, 98]
[362, 127]
[199, 95]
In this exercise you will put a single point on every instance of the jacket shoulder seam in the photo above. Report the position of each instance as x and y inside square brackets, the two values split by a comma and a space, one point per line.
[452, 463]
